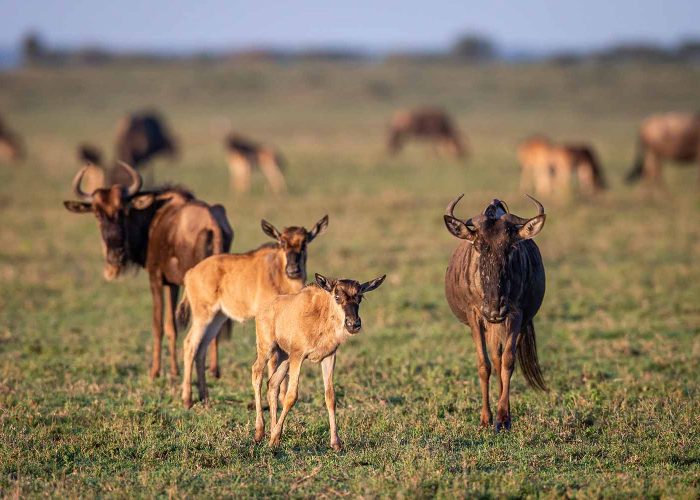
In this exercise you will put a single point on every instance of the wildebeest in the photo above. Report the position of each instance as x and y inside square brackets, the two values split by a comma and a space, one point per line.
[311, 325]
[140, 137]
[243, 154]
[11, 146]
[425, 123]
[238, 286]
[495, 284]
[167, 231]
[668, 136]
[551, 168]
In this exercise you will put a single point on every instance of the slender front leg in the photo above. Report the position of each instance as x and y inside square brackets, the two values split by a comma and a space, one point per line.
[289, 399]
[273, 389]
[327, 367]
[170, 330]
[484, 367]
[157, 326]
[493, 344]
[271, 171]
[275, 360]
[506, 372]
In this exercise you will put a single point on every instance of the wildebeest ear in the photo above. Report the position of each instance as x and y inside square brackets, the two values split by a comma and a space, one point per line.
[319, 228]
[372, 285]
[270, 230]
[459, 228]
[325, 283]
[532, 227]
[78, 207]
[141, 202]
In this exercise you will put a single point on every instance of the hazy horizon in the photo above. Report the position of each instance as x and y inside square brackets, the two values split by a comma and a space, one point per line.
[178, 26]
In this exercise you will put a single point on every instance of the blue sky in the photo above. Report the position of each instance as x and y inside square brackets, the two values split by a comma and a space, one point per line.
[192, 24]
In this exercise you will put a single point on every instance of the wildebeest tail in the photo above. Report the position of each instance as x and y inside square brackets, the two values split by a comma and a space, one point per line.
[637, 169]
[527, 358]
[183, 312]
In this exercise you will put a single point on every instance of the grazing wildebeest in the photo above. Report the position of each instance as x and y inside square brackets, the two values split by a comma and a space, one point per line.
[425, 123]
[11, 147]
[668, 136]
[167, 231]
[550, 168]
[238, 286]
[243, 154]
[310, 324]
[495, 284]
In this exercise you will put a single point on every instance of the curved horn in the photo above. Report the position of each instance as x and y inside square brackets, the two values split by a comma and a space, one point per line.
[76, 185]
[136, 180]
[540, 208]
[451, 207]
[505, 205]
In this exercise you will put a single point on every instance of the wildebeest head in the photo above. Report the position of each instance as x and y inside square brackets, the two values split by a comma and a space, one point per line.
[348, 294]
[294, 240]
[111, 206]
[494, 234]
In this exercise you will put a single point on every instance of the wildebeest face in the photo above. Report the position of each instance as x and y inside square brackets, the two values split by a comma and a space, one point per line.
[348, 295]
[294, 241]
[495, 234]
[110, 207]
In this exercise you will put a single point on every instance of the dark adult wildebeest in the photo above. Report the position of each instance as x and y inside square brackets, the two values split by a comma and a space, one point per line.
[11, 147]
[495, 284]
[668, 136]
[425, 123]
[140, 138]
[165, 230]
[243, 154]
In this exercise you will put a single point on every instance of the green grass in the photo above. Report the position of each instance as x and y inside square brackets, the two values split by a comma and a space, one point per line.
[617, 334]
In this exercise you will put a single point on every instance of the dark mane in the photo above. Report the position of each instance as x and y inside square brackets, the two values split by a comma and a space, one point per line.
[171, 188]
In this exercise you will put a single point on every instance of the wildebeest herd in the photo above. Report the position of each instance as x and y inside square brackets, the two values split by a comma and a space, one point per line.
[495, 282]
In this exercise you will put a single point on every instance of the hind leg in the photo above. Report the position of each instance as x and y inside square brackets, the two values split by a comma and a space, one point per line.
[224, 333]
[273, 174]
[192, 343]
[170, 330]
[210, 333]
[239, 168]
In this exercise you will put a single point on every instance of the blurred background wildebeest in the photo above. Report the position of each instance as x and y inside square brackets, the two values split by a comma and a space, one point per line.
[433, 125]
[244, 154]
[11, 146]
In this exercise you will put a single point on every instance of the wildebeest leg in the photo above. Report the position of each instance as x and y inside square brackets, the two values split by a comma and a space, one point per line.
[272, 364]
[192, 341]
[327, 367]
[652, 169]
[290, 398]
[484, 368]
[170, 330]
[157, 326]
[272, 172]
[239, 168]
[507, 367]
[493, 343]
[214, 358]
[273, 389]
[210, 333]
[263, 354]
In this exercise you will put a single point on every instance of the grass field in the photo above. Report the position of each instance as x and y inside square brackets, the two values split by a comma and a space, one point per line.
[617, 334]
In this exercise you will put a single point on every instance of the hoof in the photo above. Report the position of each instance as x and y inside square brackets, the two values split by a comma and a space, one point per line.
[259, 435]
[337, 446]
[274, 442]
[215, 372]
[187, 403]
[503, 426]
[154, 374]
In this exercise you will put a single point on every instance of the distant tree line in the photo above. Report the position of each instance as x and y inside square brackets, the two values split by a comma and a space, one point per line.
[468, 49]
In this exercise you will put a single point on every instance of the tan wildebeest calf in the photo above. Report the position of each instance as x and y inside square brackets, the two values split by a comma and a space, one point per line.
[244, 154]
[310, 325]
[11, 147]
[237, 286]
[667, 136]
[551, 168]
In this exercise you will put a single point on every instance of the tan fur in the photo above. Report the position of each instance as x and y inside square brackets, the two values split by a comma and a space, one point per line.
[311, 325]
[551, 168]
[237, 286]
[244, 155]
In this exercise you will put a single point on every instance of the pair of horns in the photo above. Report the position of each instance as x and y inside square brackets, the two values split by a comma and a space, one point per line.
[131, 189]
[510, 217]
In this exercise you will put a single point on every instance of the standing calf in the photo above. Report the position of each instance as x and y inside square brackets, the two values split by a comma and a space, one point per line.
[495, 284]
[432, 124]
[237, 286]
[310, 325]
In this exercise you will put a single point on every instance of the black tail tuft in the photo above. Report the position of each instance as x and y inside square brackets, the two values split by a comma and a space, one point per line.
[527, 358]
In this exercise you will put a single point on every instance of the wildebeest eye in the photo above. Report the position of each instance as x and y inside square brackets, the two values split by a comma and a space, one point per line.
[337, 298]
